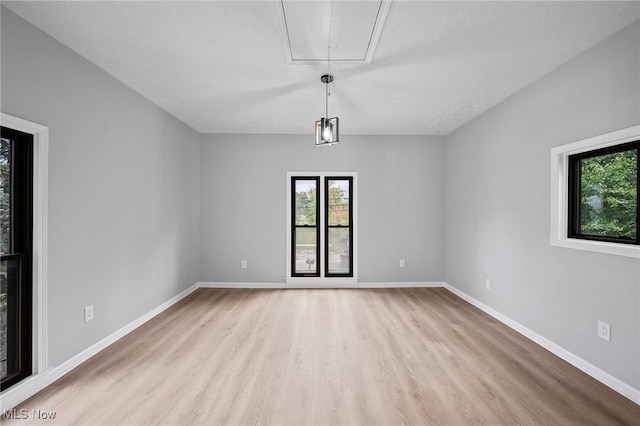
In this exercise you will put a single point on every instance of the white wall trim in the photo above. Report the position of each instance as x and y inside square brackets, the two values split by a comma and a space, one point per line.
[402, 284]
[40, 354]
[309, 283]
[559, 192]
[30, 386]
[588, 368]
[240, 285]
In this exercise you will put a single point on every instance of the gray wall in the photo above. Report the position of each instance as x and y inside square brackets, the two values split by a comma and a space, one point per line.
[401, 203]
[498, 201]
[123, 189]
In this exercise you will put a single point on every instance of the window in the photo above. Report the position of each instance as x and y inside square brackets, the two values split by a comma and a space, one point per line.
[305, 232]
[321, 237]
[603, 194]
[594, 194]
[39, 347]
[16, 207]
[338, 231]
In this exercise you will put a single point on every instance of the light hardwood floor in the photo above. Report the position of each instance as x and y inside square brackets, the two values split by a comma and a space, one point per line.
[356, 356]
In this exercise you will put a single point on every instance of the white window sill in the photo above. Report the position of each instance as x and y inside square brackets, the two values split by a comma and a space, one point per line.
[599, 247]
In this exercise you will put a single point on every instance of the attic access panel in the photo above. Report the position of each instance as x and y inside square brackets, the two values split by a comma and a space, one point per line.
[352, 27]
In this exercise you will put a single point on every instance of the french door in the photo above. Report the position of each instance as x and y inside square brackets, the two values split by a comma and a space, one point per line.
[16, 249]
[322, 226]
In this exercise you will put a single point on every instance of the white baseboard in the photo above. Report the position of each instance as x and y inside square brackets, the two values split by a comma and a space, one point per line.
[402, 284]
[617, 385]
[240, 285]
[321, 285]
[26, 389]
[34, 384]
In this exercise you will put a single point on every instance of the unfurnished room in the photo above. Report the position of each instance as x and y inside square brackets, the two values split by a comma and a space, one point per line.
[280, 212]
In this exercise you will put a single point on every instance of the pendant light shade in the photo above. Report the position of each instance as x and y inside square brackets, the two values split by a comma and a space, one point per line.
[327, 129]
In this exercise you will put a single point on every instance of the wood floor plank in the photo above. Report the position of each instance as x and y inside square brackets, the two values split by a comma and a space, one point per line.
[327, 357]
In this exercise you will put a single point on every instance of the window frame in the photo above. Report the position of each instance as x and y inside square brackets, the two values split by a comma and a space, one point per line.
[40, 329]
[559, 221]
[574, 193]
[294, 226]
[322, 281]
[19, 313]
[327, 226]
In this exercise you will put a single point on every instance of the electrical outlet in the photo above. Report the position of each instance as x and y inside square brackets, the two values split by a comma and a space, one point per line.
[243, 264]
[88, 313]
[487, 283]
[604, 331]
[402, 263]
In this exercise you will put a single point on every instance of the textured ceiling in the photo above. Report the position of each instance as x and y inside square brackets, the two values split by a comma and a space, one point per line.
[220, 67]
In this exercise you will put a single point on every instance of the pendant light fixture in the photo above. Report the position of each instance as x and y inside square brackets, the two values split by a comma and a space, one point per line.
[327, 129]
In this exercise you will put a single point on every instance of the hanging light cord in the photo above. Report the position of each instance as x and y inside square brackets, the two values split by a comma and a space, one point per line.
[327, 94]
[326, 98]
[329, 41]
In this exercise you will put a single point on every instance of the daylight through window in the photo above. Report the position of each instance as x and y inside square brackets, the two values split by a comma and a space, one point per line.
[603, 194]
[322, 231]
